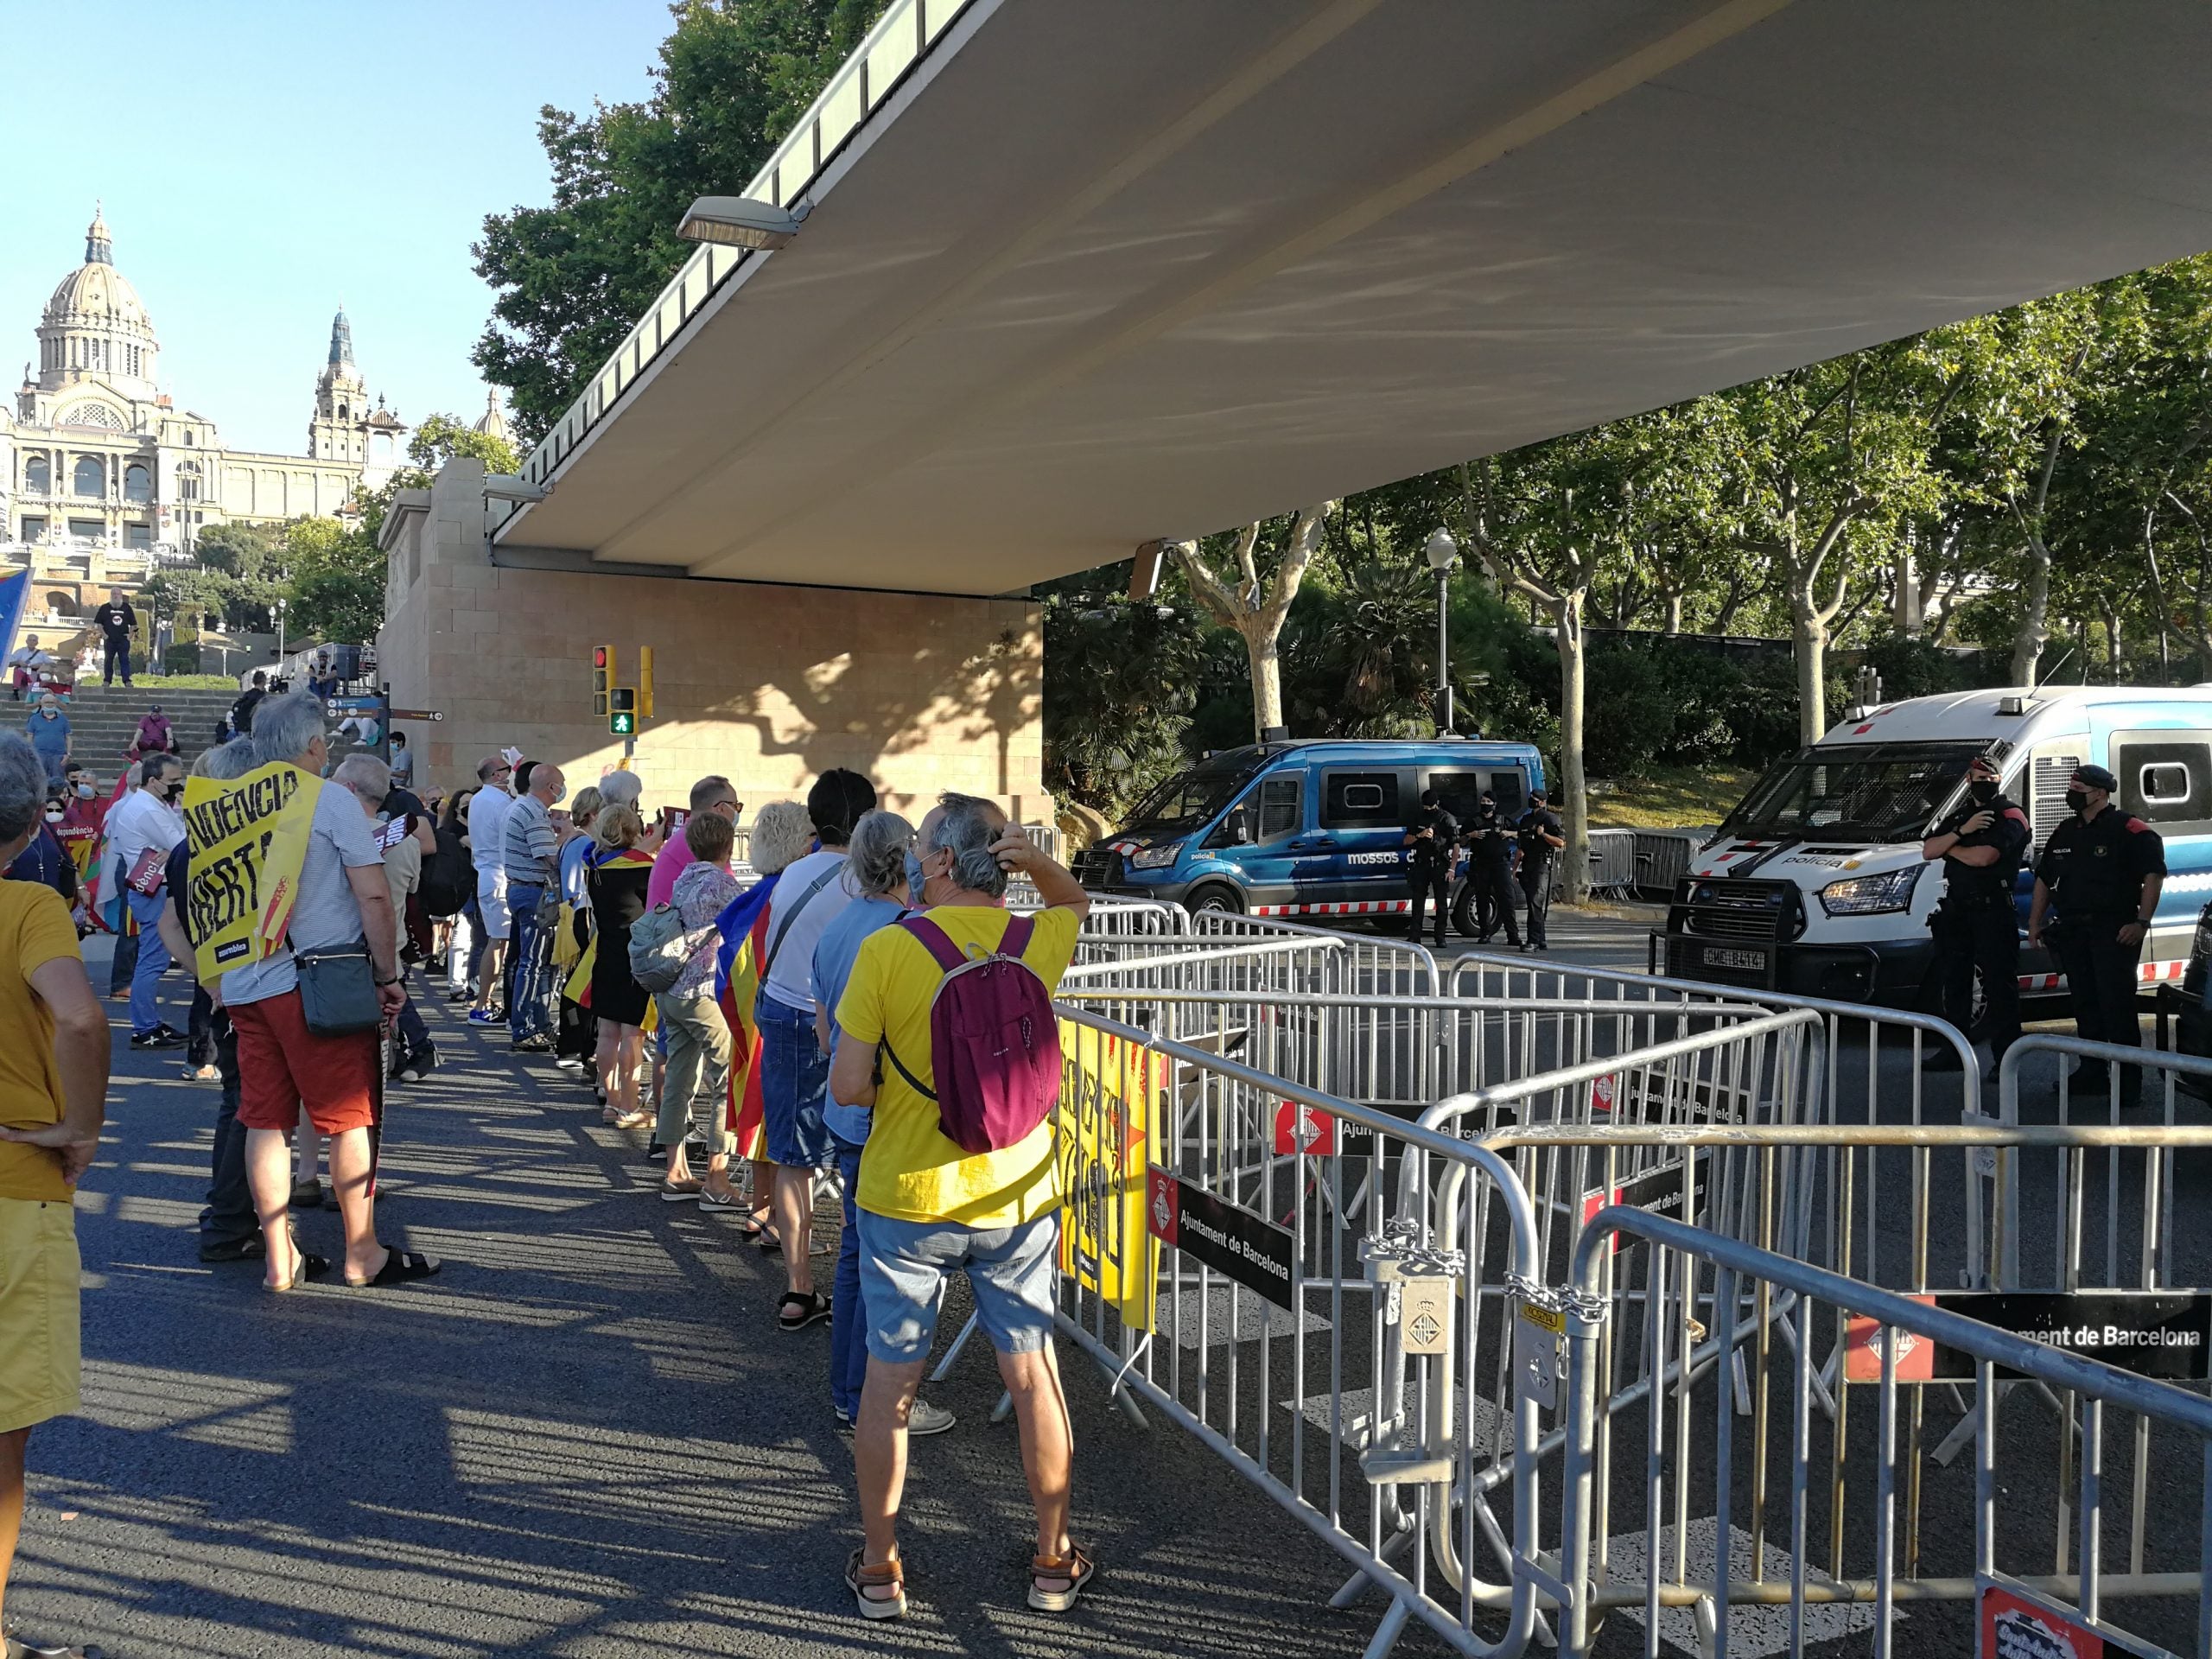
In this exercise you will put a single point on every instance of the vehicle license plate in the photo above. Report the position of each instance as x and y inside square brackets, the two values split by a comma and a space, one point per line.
[1752, 960]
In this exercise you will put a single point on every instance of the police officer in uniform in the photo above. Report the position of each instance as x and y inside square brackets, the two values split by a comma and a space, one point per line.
[1541, 838]
[1982, 844]
[2103, 871]
[1432, 842]
[1490, 845]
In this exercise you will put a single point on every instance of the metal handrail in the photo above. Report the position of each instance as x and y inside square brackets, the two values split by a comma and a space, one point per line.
[860, 88]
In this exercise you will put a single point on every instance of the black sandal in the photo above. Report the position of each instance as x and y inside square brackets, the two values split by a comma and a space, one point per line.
[809, 1305]
[399, 1267]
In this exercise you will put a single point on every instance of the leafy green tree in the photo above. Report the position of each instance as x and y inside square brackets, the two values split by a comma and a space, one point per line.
[1833, 460]
[336, 590]
[1121, 681]
[237, 579]
[1255, 605]
[572, 276]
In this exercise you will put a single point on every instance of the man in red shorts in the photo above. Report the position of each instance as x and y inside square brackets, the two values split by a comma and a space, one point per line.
[343, 901]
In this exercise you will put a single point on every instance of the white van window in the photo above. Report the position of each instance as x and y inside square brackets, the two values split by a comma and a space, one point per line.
[1353, 800]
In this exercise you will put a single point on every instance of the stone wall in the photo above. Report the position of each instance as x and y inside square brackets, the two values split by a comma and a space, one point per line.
[768, 685]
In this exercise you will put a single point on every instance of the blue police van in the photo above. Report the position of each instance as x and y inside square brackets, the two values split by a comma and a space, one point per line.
[1302, 828]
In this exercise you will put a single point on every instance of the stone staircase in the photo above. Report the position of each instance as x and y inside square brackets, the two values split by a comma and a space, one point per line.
[103, 720]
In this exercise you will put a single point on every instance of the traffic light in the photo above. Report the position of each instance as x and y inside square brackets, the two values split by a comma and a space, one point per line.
[622, 723]
[602, 676]
[645, 682]
[621, 700]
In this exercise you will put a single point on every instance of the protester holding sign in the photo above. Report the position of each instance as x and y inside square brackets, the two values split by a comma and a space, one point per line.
[306, 1014]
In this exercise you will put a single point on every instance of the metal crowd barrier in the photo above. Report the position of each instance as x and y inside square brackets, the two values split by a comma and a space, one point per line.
[1663, 855]
[1228, 1286]
[1399, 1056]
[1612, 861]
[1694, 1585]
[1377, 965]
[1235, 1141]
[1319, 1288]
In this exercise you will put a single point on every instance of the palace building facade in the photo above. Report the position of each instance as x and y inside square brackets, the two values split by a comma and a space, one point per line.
[94, 455]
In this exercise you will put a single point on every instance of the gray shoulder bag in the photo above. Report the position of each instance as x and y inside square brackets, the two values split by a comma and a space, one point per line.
[338, 989]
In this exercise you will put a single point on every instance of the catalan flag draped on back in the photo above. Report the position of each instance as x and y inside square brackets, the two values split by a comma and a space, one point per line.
[743, 925]
[578, 988]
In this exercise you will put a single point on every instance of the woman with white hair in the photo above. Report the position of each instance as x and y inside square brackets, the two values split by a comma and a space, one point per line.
[782, 835]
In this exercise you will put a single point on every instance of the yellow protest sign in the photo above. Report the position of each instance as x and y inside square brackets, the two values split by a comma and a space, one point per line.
[249, 839]
[1109, 1088]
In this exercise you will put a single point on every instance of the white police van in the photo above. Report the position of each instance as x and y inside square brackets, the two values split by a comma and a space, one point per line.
[1815, 885]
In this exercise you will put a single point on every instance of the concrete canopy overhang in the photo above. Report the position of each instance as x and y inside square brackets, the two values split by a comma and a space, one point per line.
[1098, 274]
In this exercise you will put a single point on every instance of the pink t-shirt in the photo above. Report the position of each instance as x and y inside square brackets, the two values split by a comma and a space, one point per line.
[671, 862]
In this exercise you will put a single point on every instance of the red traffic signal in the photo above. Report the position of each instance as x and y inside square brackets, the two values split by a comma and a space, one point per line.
[599, 654]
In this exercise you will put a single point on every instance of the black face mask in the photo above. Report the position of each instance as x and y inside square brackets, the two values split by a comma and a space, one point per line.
[2078, 800]
[1982, 790]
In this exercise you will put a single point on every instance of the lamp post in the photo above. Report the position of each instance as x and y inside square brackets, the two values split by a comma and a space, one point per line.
[1442, 553]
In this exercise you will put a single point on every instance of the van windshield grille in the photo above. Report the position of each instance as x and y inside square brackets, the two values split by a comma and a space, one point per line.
[1888, 792]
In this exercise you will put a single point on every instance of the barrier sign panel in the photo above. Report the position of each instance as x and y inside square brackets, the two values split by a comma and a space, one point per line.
[1254, 1252]
[2016, 1623]
[1316, 1134]
[2165, 1334]
[1108, 1088]
[1658, 1192]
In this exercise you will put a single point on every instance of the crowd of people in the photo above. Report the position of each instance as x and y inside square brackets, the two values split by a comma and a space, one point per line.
[769, 1006]
[768, 1020]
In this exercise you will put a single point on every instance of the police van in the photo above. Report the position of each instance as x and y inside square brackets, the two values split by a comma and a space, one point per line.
[1301, 829]
[1815, 885]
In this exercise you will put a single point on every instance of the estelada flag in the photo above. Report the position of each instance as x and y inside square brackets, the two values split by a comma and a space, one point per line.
[743, 925]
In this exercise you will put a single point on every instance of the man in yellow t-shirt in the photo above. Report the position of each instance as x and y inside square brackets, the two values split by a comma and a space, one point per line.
[53, 1066]
[926, 1209]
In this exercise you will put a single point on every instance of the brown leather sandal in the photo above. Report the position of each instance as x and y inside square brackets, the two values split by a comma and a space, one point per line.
[861, 1578]
[1076, 1567]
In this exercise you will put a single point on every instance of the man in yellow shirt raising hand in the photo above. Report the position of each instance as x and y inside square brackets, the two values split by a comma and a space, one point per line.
[926, 1208]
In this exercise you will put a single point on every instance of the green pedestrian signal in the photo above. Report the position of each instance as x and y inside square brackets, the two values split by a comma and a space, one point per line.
[622, 723]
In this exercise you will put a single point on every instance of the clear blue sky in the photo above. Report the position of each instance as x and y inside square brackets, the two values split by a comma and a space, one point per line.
[261, 159]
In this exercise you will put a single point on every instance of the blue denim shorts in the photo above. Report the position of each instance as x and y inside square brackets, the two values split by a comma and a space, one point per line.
[903, 1266]
[794, 1084]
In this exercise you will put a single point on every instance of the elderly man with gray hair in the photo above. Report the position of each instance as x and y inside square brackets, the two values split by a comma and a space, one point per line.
[54, 1071]
[928, 1207]
[284, 1066]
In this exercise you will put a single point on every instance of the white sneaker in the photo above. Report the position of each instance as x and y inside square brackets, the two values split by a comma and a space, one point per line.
[926, 1419]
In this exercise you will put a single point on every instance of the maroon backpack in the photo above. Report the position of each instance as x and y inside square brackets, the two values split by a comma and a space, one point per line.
[995, 1046]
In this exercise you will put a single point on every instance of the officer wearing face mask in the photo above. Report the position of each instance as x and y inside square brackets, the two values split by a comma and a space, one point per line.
[1431, 841]
[1491, 842]
[1981, 845]
[2102, 871]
